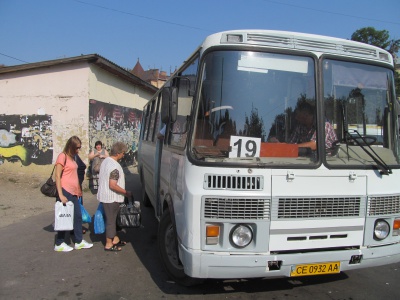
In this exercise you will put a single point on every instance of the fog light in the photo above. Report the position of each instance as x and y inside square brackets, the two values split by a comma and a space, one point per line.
[241, 236]
[381, 230]
[274, 265]
[355, 259]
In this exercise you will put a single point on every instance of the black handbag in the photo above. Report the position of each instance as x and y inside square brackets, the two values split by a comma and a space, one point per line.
[49, 188]
[129, 215]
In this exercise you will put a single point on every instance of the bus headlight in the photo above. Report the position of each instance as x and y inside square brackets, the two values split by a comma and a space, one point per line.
[381, 230]
[241, 236]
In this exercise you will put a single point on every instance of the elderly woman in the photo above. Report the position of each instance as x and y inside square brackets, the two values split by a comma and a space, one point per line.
[111, 193]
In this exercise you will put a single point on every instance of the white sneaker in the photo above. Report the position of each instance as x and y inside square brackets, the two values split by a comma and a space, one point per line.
[63, 248]
[83, 245]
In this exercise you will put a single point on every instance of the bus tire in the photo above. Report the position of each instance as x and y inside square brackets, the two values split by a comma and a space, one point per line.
[167, 247]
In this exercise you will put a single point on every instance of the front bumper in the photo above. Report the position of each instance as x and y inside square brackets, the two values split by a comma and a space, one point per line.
[200, 264]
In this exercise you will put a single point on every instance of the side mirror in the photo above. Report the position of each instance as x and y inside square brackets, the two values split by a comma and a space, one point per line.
[165, 100]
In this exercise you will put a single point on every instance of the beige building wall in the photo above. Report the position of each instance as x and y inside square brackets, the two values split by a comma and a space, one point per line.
[108, 88]
[61, 93]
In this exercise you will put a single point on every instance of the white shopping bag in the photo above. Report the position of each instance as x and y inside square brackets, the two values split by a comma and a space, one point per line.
[64, 216]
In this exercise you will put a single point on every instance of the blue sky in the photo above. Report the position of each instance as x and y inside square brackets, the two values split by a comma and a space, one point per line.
[162, 34]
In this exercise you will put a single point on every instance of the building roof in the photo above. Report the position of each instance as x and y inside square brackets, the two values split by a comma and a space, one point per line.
[151, 75]
[95, 59]
[138, 70]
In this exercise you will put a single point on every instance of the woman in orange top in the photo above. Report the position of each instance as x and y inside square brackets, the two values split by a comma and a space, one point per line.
[69, 189]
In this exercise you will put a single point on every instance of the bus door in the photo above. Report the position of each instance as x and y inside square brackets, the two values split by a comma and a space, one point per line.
[150, 152]
[161, 137]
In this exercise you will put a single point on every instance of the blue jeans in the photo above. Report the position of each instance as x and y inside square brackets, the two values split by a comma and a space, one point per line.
[77, 220]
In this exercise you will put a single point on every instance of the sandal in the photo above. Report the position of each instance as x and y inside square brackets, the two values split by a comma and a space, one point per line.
[120, 243]
[113, 248]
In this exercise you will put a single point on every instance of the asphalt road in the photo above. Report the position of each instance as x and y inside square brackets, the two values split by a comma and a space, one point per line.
[30, 269]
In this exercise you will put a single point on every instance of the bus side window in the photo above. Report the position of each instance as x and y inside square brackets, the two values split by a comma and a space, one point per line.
[185, 84]
[154, 119]
[146, 122]
[157, 117]
[178, 137]
[150, 122]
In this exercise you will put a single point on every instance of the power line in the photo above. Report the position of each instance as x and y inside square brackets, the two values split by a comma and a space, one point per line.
[208, 30]
[143, 17]
[14, 58]
[330, 12]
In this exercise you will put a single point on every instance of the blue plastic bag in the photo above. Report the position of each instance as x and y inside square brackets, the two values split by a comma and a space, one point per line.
[86, 218]
[99, 224]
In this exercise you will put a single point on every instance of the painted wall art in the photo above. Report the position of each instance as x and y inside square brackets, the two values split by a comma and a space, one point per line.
[111, 123]
[26, 138]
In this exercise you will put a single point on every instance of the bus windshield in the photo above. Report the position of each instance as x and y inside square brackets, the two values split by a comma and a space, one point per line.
[257, 107]
[360, 104]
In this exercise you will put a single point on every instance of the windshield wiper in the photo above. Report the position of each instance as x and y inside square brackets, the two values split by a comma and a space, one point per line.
[384, 169]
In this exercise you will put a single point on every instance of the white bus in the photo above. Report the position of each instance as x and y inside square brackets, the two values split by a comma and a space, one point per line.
[245, 183]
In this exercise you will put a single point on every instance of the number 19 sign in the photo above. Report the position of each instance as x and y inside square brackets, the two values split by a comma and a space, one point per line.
[244, 146]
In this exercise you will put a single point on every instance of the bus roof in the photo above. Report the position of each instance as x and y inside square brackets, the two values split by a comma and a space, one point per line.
[298, 41]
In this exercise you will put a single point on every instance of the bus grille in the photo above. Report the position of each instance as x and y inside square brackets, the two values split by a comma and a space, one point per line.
[236, 208]
[359, 50]
[293, 208]
[308, 44]
[232, 182]
[383, 205]
[269, 39]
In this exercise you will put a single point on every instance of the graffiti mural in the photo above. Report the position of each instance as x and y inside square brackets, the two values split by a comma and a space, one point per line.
[111, 123]
[26, 138]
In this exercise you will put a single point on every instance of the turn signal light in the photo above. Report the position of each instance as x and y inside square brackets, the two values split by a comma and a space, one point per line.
[212, 231]
[396, 227]
[396, 224]
[212, 234]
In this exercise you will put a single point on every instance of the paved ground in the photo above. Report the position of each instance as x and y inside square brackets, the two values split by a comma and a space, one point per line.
[30, 269]
[20, 198]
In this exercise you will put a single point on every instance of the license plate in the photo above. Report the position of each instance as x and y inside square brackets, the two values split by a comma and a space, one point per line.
[315, 269]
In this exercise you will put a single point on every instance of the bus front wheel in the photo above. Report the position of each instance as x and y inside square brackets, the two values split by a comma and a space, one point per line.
[167, 247]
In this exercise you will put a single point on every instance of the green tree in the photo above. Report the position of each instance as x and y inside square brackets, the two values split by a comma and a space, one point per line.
[381, 39]
[394, 47]
[254, 126]
[369, 35]
[397, 83]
